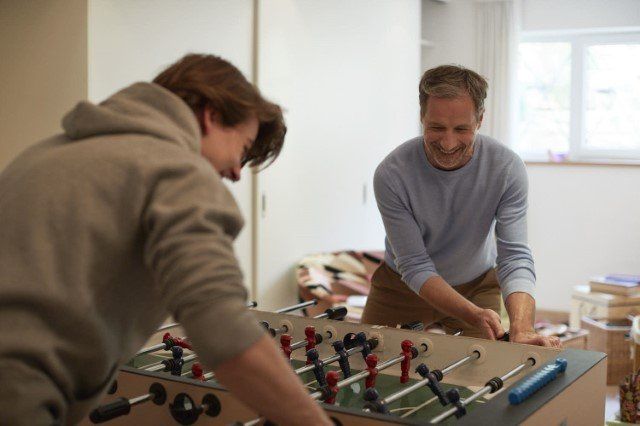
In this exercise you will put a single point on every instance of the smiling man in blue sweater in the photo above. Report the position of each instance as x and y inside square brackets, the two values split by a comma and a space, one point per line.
[454, 205]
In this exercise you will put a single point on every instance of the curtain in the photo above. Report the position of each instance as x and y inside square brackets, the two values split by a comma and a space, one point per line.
[496, 50]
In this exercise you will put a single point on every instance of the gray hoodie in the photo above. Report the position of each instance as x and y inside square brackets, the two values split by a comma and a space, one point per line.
[105, 230]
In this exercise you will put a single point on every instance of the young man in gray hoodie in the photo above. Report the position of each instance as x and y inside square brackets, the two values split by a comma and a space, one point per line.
[122, 220]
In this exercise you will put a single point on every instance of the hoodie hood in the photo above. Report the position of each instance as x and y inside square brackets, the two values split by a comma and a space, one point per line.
[142, 108]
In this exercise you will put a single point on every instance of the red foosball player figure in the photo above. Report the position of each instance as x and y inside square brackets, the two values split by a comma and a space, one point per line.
[310, 332]
[406, 346]
[170, 341]
[285, 342]
[198, 373]
[372, 362]
[332, 387]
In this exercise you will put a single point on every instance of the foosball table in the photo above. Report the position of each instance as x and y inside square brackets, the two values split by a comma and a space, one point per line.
[370, 375]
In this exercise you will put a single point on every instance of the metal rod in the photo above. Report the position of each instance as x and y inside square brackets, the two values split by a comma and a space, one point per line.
[151, 349]
[159, 366]
[517, 370]
[167, 326]
[463, 361]
[405, 391]
[303, 343]
[206, 376]
[364, 373]
[296, 307]
[298, 345]
[507, 376]
[475, 355]
[162, 345]
[445, 371]
[141, 399]
[482, 391]
[329, 360]
[281, 330]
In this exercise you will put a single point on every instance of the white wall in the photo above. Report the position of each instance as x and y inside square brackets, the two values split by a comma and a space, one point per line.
[345, 71]
[131, 41]
[347, 74]
[583, 220]
[540, 15]
[450, 26]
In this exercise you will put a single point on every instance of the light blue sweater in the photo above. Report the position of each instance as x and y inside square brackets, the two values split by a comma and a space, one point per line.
[456, 224]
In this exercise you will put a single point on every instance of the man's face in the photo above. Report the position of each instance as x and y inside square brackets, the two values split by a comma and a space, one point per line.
[450, 126]
[225, 147]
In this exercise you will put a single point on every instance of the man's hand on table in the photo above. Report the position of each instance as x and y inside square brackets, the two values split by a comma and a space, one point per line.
[488, 321]
[530, 337]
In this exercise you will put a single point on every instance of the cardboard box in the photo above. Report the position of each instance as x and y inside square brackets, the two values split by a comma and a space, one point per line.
[600, 305]
[575, 339]
[611, 337]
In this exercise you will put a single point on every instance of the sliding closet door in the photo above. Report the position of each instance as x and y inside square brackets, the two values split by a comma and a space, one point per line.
[347, 75]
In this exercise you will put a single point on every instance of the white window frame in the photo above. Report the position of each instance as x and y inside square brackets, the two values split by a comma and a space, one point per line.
[580, 41]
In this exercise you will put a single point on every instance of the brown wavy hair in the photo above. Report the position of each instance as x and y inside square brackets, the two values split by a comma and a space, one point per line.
[451, 81]
[208, 80]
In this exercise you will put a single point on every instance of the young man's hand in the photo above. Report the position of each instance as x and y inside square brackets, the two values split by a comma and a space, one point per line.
[262, 379]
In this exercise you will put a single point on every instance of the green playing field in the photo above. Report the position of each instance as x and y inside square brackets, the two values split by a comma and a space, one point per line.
[352, 396]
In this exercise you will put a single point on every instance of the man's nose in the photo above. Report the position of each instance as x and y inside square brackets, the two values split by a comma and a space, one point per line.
[235, 173]
[448, 141]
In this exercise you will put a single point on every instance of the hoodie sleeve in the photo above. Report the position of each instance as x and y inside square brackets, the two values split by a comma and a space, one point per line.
[191, 220]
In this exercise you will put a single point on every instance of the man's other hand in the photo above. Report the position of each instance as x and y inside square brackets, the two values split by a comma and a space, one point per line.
[533, 338]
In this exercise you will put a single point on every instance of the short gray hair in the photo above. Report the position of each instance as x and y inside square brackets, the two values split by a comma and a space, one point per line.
[451, 81]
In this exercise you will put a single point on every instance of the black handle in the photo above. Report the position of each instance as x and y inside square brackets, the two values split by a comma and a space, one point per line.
[117, 408]
[336, 313]
[371, 257]
[414, 325]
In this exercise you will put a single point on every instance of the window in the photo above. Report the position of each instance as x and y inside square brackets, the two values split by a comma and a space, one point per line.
[578, 97]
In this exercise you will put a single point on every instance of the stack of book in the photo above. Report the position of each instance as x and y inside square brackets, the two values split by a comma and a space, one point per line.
[621, 284]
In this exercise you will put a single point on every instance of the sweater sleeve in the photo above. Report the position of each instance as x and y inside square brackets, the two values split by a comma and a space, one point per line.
[191, 220]
[411, 257]
[514, 262]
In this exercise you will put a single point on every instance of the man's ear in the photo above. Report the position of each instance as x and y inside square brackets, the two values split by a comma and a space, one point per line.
[207, 118]
[480, 121]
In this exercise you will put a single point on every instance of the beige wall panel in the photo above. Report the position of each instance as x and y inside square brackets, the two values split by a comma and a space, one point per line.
[43, 70]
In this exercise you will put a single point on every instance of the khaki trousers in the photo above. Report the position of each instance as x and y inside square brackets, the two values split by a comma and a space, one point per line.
[392, 302]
